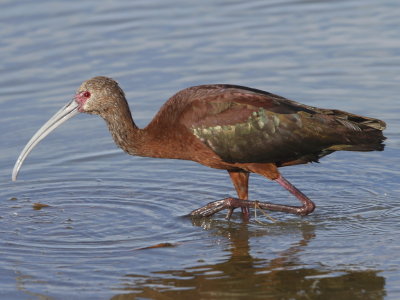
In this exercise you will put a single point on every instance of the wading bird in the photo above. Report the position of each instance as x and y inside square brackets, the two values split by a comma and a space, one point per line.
[234, 128]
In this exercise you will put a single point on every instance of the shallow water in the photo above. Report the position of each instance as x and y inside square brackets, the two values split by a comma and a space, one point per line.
[107, 209]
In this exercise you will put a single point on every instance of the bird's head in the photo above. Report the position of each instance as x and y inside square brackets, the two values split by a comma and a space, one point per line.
[98, 95]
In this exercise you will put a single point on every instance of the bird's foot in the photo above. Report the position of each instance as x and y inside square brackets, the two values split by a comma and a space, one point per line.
[216, 206]
[229, 213]
[245, 213]
[232, 203]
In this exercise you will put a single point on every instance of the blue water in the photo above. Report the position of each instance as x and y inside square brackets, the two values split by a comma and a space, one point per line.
[106, 206]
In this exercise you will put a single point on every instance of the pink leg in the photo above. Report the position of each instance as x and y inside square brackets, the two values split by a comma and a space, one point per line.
[307, 207]
[241, 182]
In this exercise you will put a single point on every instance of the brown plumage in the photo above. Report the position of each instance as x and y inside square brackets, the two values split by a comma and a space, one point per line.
[236, 128]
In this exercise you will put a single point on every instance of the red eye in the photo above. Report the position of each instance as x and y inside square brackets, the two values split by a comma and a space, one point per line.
[86, 94]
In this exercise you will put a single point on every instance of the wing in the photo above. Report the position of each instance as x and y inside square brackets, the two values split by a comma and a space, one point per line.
[246, 125]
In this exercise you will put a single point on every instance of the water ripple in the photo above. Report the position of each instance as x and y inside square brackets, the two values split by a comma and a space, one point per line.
[104, 205]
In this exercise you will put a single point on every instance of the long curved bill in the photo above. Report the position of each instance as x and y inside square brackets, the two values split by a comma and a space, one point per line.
[65, 113]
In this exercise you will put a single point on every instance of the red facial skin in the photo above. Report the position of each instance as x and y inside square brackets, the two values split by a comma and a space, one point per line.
[81, 99]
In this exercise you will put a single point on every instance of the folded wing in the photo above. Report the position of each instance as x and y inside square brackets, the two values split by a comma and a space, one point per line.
[251, 126]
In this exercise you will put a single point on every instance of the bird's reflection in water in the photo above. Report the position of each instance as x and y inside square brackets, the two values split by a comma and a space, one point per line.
[244, 276]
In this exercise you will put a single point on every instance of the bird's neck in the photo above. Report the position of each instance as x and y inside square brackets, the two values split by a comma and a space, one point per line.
[153, 141]
[124, 130]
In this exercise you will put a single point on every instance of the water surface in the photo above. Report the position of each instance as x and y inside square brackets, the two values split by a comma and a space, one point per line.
[107, 209]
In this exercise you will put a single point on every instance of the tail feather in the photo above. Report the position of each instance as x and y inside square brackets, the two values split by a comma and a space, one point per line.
[365, 133]
[352, 133]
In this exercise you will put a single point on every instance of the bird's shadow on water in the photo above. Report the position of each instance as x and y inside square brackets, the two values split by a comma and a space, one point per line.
[244, 275]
